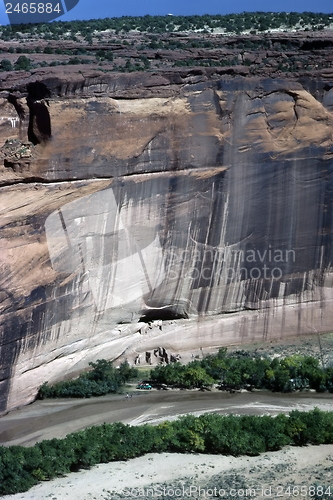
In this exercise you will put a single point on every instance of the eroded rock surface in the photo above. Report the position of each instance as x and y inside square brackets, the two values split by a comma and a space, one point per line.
[160, 196]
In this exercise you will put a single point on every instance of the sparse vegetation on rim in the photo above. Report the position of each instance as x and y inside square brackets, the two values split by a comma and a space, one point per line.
[230, 23]
[254, 41]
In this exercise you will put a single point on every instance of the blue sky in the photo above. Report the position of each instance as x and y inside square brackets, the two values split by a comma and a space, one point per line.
[88, 9]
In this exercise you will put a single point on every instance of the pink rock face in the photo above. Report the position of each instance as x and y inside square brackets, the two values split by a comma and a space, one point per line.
[160, 197]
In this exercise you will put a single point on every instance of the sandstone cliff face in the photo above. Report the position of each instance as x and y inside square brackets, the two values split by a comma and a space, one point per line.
[159, 196]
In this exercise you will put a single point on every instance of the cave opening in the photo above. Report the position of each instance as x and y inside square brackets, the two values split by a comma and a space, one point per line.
[39, 128]
[163, 314]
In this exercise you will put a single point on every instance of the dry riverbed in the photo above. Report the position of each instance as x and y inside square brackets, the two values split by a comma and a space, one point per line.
[289, 473]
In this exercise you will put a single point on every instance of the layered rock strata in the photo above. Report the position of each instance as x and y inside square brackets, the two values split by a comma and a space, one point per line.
[174, 196]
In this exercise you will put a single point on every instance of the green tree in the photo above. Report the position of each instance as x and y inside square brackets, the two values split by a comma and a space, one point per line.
[103, 378]
[195, 376]
[6, 65]
[22, 63]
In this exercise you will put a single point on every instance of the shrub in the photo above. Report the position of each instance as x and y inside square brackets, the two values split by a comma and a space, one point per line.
[6, 65]
[22, 63]
[21, 468]
[102, 379]
[243, 369]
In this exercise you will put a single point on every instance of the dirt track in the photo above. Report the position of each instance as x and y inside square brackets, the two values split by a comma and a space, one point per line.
[56, 418]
